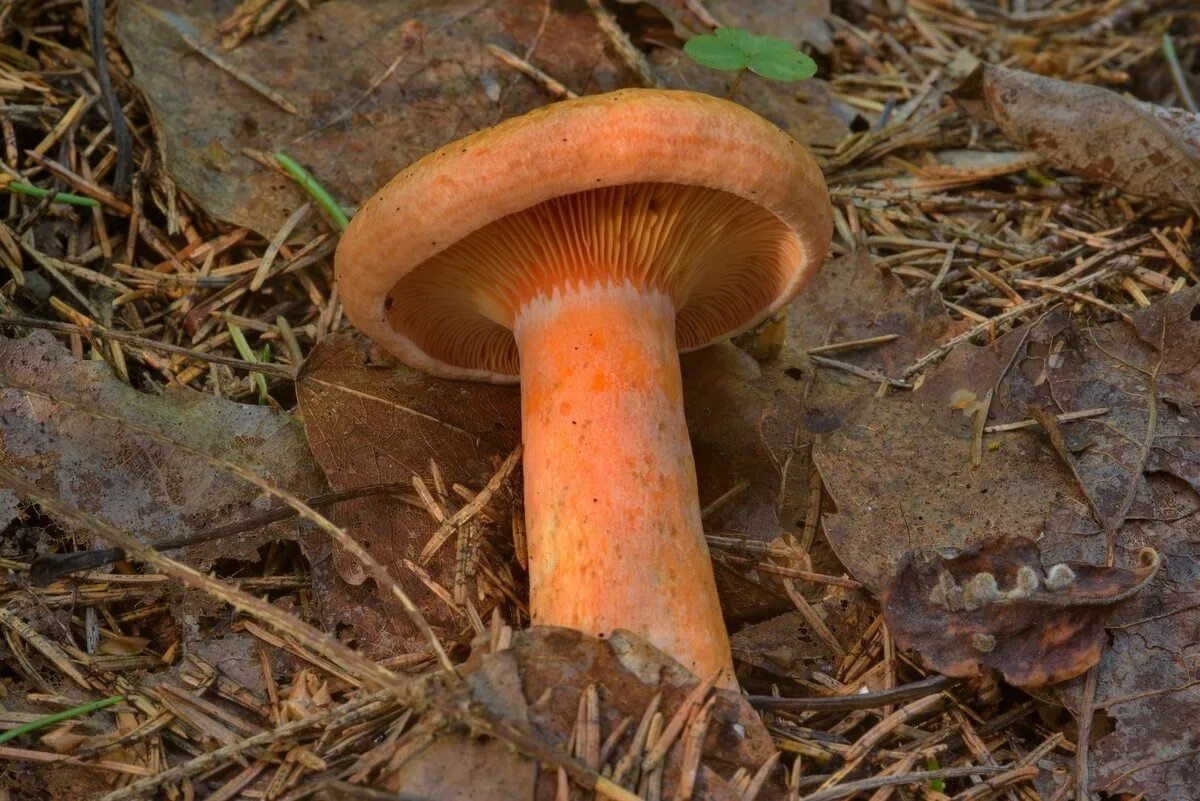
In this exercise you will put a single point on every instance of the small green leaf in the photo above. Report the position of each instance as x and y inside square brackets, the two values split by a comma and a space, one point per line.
[735, 49]
[710, 51]
[768, 44]
[742, 40]
[783, 65]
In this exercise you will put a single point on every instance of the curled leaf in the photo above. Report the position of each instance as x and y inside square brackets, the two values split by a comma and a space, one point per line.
[996, 606]
[1091, 131]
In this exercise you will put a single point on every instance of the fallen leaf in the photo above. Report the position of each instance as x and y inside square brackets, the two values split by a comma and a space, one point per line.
[899, 471]
[1093, 132]
[851, 299]
[65, 425]
[411, 76]
[375, 424]
[996, 606]
[536, 685]
[786, 646]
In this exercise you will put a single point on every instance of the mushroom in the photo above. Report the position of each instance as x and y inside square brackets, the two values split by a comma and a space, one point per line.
[579, 249]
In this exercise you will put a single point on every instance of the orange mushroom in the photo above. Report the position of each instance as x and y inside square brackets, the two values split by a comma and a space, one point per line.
[579, 248]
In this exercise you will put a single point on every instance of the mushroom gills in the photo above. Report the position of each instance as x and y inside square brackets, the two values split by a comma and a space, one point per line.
[722, 259]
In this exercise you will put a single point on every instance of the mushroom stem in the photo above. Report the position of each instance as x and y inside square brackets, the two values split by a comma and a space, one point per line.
[613, 516]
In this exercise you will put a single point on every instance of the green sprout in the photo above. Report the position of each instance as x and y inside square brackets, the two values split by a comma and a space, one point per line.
[735, 49]
[937, 785]
[314, 188]
[247, 353]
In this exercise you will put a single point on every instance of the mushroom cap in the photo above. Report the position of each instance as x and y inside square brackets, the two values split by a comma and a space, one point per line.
[668, 190]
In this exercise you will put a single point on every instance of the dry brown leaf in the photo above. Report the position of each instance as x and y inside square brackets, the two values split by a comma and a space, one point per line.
[536, 685]
[381, 423]
[50, 433]
[900, 474]
[850, 299]
[1093, 132]
[410, 76]
[997, 606]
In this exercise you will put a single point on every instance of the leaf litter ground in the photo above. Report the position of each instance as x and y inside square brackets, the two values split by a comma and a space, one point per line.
[977, 269]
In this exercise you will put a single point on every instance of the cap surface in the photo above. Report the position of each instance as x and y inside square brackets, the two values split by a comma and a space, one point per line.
[668, 190]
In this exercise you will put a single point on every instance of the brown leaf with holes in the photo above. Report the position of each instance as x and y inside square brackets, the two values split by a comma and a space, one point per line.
[996, 606]
[1099, 134]
[899, 470]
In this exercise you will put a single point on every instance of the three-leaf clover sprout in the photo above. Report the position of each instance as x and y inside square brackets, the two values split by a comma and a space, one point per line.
[735, 49]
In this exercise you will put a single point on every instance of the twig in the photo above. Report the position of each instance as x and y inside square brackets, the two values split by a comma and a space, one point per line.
[116, 115]
[852, 344]
[992, 322]
[49, 567]
[846, 703]
[920, 777]
[1065, 417]
[1082, 297]
[861, 372]
[625, 48]
[212, 758]
[268, 257]
[522, 66]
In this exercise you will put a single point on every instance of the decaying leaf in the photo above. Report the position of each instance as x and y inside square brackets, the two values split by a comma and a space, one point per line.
[851, 299]
[900, 473]
[997, 606]
[411, 76]
[785, 645]
[537, 684]
[64, 424]
[379, 424]
[1094, 132]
